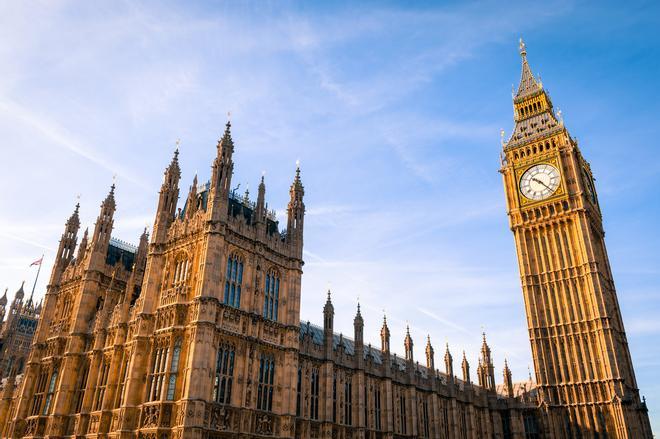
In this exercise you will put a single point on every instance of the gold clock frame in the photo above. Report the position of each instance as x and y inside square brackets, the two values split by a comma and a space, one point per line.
[523, 201]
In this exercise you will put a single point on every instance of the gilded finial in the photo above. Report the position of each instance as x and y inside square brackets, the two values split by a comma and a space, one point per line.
[523, 47]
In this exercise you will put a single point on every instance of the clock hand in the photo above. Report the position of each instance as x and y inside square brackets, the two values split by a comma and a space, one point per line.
[541, 183]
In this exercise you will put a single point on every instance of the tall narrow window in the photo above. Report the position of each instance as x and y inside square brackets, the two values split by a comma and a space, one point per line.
[298, 391]
[233, 282]
[80, 390]
[272, 295]
[174, 369]
[314, 404]
[334, 398]
[51, 391]
[402, 408]
[38, 396]
[101, 385]
[425, 417]
[348, 401]
[266, 379]
[119, 397]
[377, 407]
[224, 374]
[157, 373]
[181, 268]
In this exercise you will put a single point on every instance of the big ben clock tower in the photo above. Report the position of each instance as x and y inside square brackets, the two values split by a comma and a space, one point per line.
[582, 363]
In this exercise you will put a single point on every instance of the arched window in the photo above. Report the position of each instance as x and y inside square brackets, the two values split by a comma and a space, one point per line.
[266, 380]
[224, 374]
[157, 372]
[51, 391]
[181, 268]
[174, 369]
[234, 279]
[314, 405]
[271, 295]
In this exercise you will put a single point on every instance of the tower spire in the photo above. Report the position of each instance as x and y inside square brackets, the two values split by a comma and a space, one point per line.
[104, 223]
[223, 168]
[408, 344]
[430, 360]
[167, 199]
[528, 83]
[296, 214]
[385, 336]
[67, 245]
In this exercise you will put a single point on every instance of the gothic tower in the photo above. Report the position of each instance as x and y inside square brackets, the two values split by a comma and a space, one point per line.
[582, 362]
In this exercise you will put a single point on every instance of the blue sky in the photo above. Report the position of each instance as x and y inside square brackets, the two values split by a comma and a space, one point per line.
[394, 112]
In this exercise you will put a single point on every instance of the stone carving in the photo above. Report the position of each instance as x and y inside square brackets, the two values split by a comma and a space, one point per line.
[264, 425]
[150, 416]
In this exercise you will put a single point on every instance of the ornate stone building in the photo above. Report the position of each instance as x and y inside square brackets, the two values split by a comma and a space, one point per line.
[584, 372]
[17, 331]
[197, 334]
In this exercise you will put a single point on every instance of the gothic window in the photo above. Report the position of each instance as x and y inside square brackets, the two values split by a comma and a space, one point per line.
[119, 397]
[334, 398]
[266, 379]
[272, 295]
[224, 374]
[51, 391]
[233, 281]
[402, 413]
[298, 391]
[174, 369]
[425, 417]
[181, 269]
[39, 393]
[348, 402]
[377, 407]
[101, 385]
[314, 405]
[157, 373]
[80, 390]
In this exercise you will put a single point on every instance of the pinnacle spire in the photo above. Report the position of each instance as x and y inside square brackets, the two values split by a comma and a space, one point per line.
[528, 84]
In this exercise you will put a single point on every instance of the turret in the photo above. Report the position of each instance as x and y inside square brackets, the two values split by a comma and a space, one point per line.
[82, 248]
[328, 323]
[488, 370]
[67, 245]
[358, 331]
[430, 360]
[222, 170]
[260, 209]
[449, 364]
[167, 200]
[466, 369]
[191, 203]
[296, 215]
[385, 337]
[104, 224]
[508, 383]
[408, 345]
[3, 306]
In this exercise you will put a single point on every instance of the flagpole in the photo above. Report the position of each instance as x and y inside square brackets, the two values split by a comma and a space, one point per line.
[37, 277]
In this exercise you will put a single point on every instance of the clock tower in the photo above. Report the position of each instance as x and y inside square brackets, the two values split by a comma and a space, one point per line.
[583, 368]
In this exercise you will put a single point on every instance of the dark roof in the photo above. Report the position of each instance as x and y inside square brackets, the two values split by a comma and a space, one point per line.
[121, 251]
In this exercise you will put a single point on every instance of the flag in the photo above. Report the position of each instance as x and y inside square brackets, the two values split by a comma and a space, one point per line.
[37, 262]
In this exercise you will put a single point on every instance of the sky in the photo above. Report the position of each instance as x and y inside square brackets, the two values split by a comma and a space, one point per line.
[394, 112]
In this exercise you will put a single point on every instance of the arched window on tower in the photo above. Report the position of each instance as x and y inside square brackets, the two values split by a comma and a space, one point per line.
[233, 281]
[224, 374]
[181, 270]
[271, 295]
[174, 369]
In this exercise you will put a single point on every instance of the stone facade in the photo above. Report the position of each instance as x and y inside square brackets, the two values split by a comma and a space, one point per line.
[196, 333]
[17, 331]
[584, 372]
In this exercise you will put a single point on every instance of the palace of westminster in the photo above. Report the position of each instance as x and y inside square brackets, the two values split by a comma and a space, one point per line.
[196, 331]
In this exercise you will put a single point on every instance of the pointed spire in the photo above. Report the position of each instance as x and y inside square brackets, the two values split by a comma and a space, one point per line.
[191, 203]
[385, 336]
[430, 360]
[466, 368]
[408, 344]
[167, 199]
[528, 83]
[260, 211]
[3, 299]
[508, 383]
[20, 293]
[223, 168]
[449, 363]
[328, 316]
[104, 223]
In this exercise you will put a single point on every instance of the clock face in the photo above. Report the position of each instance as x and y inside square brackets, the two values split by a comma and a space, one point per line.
[539, 182]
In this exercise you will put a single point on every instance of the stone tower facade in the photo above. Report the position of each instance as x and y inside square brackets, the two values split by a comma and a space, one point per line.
[196, 333]
[18, 328]
[584, 372]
